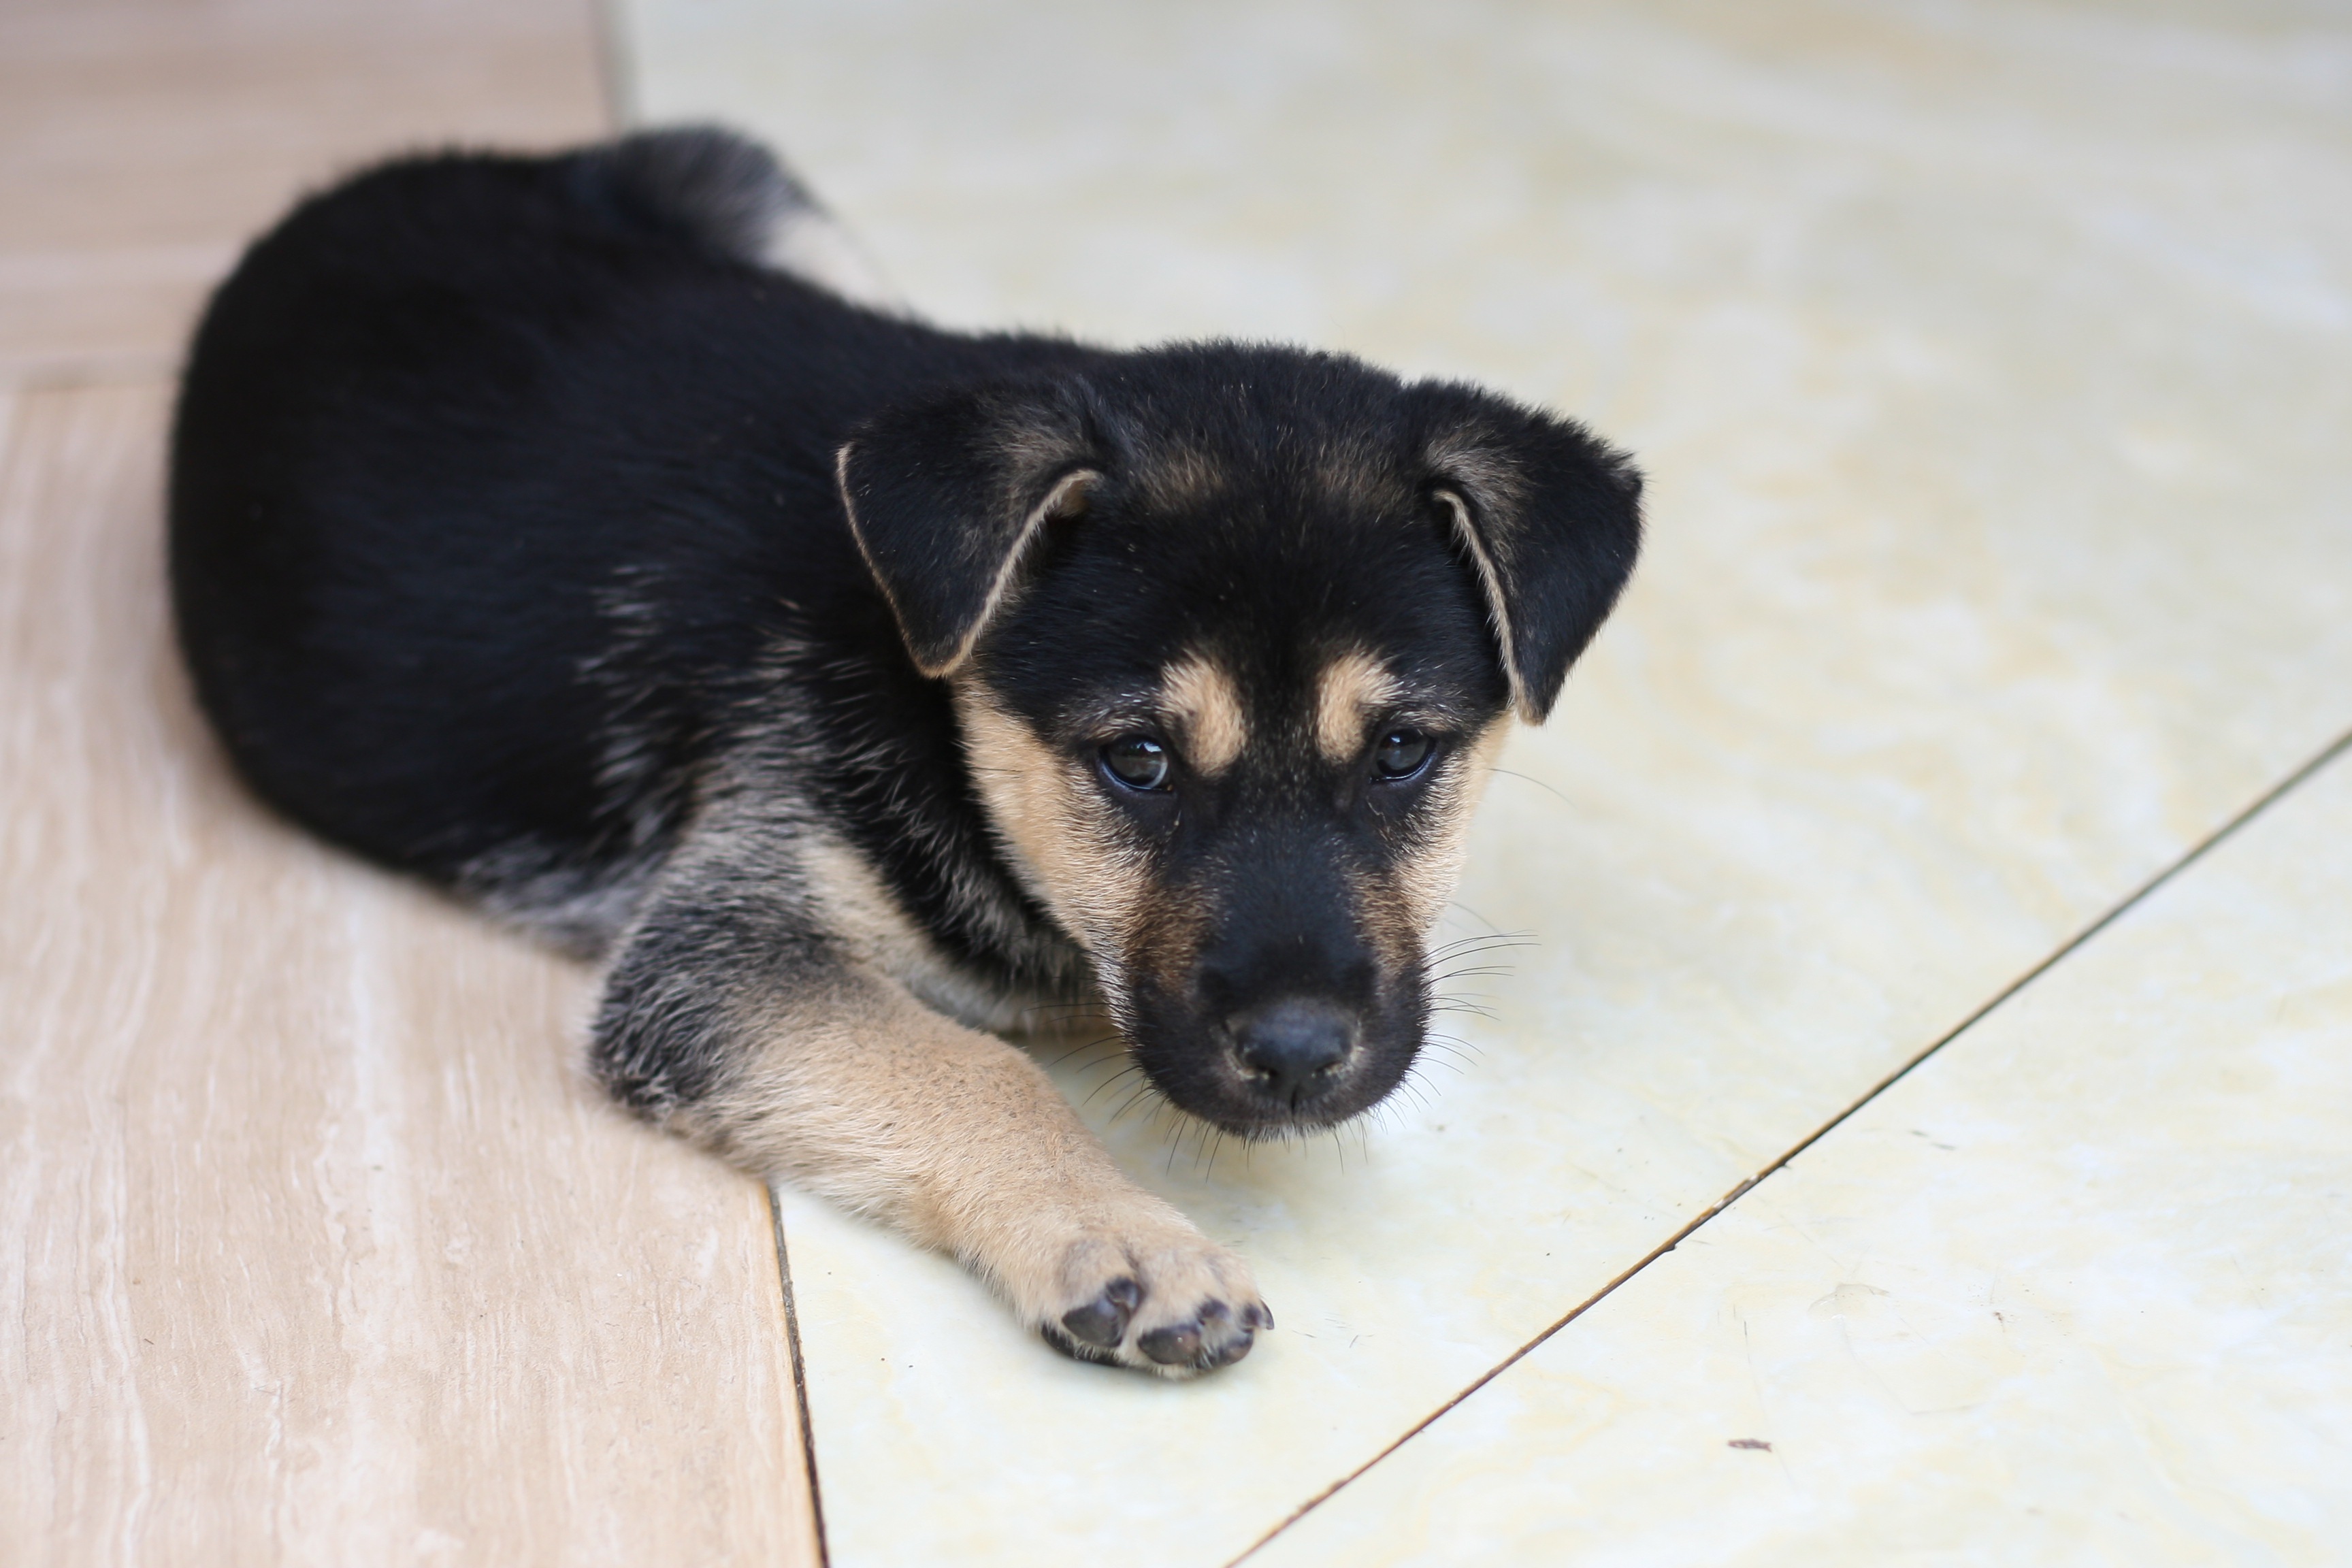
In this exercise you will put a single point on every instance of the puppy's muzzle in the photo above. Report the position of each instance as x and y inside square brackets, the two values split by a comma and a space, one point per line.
[1270, 1032]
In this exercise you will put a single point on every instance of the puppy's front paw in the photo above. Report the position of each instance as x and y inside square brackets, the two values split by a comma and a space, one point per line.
[1157, 1296]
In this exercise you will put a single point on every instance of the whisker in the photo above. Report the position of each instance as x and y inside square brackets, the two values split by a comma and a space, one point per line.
[1175, 1142]
[1063, 1008]
[1466, 963]
[1114, 1060]
[1452, 1045]
[1496, 939]
[1458, 1048]
[1142, 1091]
[1474, 914]
[1538, 783]
[1090, 1046]
[1488, 970]
[1115, 1078]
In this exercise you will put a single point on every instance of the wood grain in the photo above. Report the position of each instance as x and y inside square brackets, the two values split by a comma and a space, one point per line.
[316, 1249]
[143, 142]
[313, 1245]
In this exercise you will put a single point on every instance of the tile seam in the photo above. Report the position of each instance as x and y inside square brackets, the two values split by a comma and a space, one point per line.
[2261, 804]
[799, 1378]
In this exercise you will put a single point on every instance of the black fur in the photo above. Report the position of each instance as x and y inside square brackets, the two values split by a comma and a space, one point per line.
[509, 549]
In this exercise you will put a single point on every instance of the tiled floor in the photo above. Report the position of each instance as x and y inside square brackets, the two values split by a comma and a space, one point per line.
[1989, 365]
[2079, 1288]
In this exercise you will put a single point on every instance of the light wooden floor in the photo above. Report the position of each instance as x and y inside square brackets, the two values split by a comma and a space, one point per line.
[317, 1250]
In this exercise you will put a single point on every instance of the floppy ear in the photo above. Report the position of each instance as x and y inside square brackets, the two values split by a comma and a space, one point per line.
[944, 497]
[1548, 517]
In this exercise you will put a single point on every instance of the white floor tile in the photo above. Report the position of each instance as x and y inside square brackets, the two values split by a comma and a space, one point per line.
[1986, 363]
[2079, 1288]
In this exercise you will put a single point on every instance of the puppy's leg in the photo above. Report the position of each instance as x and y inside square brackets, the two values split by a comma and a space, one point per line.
[730, 1014]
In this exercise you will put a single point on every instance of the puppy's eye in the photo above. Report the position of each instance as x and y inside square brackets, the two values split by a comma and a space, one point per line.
[1137, 762]
[1402, 753]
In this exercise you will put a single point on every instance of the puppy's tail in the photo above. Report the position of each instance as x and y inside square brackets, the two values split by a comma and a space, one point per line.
[698, 185]
[726, 195]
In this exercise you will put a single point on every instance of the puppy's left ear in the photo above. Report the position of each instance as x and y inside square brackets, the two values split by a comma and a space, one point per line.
[1547, 516]
[946, 494]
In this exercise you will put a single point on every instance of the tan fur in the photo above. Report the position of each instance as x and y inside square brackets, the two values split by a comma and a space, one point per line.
[851, 1086]
[858, 1090]
[1400, 906]
[1067, 843]
[880, 933]
[1425, 881]
[864, 1096]
[1351, 688]
[1166, 948]
[1205, 710]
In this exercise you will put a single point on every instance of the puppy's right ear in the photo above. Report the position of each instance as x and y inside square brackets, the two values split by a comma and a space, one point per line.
[945, 495]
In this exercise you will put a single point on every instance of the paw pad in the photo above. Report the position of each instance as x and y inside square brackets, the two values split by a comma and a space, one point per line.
[1102, 1322]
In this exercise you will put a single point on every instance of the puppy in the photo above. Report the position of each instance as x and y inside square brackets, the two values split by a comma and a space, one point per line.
[564, 532]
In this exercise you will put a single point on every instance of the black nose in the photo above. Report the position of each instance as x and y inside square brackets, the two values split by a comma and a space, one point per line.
[1287, 1045]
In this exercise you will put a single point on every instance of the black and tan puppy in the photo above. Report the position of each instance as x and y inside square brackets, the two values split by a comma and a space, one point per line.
[551, 527]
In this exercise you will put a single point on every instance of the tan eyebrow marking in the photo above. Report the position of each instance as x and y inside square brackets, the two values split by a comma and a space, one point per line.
[1351, 688]
[1202, 700]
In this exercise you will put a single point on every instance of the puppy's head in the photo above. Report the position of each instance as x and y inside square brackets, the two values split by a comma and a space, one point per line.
[1233, 634]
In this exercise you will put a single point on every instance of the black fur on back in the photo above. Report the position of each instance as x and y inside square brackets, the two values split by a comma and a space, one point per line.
[502, 504]
[505, 531]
